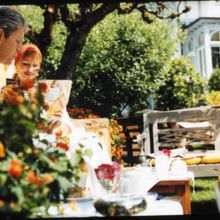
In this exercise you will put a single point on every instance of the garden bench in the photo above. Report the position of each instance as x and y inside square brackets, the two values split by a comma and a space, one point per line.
[167, 129]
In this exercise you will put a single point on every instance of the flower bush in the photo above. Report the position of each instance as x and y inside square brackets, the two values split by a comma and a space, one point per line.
[79, 113]
[116, 131]
[32, 176]
[117, 140]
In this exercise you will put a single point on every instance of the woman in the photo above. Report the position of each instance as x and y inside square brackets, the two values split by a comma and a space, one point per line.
[27, 63]
[12, 30]
[57, 99]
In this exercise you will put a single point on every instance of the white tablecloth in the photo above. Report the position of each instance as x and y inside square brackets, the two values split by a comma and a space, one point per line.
[168, 205]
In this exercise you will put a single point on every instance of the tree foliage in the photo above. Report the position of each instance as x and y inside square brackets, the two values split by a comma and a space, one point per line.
[77, 21]
[183, 87]
[214, 80]
[123, 63]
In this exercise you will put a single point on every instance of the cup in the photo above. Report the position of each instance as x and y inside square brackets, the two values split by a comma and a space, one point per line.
[162, 165]
[134, 182]
[178, 167]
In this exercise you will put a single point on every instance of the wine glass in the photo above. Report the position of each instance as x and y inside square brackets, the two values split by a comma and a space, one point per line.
[109, 176]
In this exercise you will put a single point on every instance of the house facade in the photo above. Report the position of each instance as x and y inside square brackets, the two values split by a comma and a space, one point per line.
[202, 43]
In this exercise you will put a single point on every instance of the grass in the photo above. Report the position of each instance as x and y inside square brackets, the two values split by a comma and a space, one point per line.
[203, 198]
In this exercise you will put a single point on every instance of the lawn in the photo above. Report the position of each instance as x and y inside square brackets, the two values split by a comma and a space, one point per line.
[203, 198]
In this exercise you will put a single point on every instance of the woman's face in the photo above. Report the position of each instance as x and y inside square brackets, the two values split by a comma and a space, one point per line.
[11, 45]
[28, 67]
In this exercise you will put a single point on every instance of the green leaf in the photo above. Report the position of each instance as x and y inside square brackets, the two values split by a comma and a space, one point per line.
[64, 183]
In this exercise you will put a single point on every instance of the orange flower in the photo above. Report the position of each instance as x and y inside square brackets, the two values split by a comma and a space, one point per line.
[59, 134]
[2, 203]
[12, 97]
[63, 146]
[2, 150]
[46, 107]
[53, 159]
[15, 168]
[33, 178]
[36, 151]
[47, 178]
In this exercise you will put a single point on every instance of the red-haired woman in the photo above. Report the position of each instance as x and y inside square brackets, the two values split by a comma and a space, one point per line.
[27, 63]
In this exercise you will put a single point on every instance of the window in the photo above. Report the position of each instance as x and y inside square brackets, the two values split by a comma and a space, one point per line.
[215, 57]
[215, 50]
[200, 39]
[190, 47]
[216, 36]
[202, 66]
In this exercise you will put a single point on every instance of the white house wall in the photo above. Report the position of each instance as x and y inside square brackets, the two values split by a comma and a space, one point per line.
[199, 9]
[204, 17]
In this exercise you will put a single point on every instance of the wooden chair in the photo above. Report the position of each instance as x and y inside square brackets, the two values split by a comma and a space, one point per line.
[132, 127]
[164, 129]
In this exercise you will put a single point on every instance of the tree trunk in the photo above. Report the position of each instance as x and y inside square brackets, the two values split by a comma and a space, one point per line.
[73, 48]
[75, 41]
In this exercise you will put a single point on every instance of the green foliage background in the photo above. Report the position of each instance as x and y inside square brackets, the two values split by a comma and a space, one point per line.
[183, 87]
[52, 60]
[214, 80]
[123, 63]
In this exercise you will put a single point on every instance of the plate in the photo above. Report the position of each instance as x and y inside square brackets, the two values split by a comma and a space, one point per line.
[74, 207]
[120, 205]
[126, 200]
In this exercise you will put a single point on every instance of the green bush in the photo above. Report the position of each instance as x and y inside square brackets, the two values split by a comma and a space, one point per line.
[183, 87]
[123, 63]
[214, 80]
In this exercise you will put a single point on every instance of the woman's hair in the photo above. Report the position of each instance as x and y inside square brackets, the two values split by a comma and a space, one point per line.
[10, 20]
[28, 49]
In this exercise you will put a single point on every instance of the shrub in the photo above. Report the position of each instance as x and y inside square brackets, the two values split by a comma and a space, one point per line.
[214, 80]
[183, 87]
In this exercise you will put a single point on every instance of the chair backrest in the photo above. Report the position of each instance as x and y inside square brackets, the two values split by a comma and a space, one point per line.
[132, 127]
[191, 127]
[100, 126]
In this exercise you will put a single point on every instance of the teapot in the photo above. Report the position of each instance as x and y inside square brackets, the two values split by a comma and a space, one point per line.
[162, 164]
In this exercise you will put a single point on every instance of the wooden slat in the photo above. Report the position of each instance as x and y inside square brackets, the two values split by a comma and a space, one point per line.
[132, 127]
[208, 170]
[194, 129]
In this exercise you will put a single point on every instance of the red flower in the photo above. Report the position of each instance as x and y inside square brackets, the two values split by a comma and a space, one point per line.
[63, 146]
[108, 171]
[166, 152]
[27, 84]
[43, 86]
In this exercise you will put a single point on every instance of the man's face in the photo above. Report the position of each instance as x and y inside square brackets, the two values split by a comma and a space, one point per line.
[11, 45]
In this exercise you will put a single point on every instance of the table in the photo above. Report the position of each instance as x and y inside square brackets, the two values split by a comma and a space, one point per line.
[181, 187]
[166, 206]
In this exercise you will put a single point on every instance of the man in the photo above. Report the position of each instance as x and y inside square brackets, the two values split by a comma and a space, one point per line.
[12, 31]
